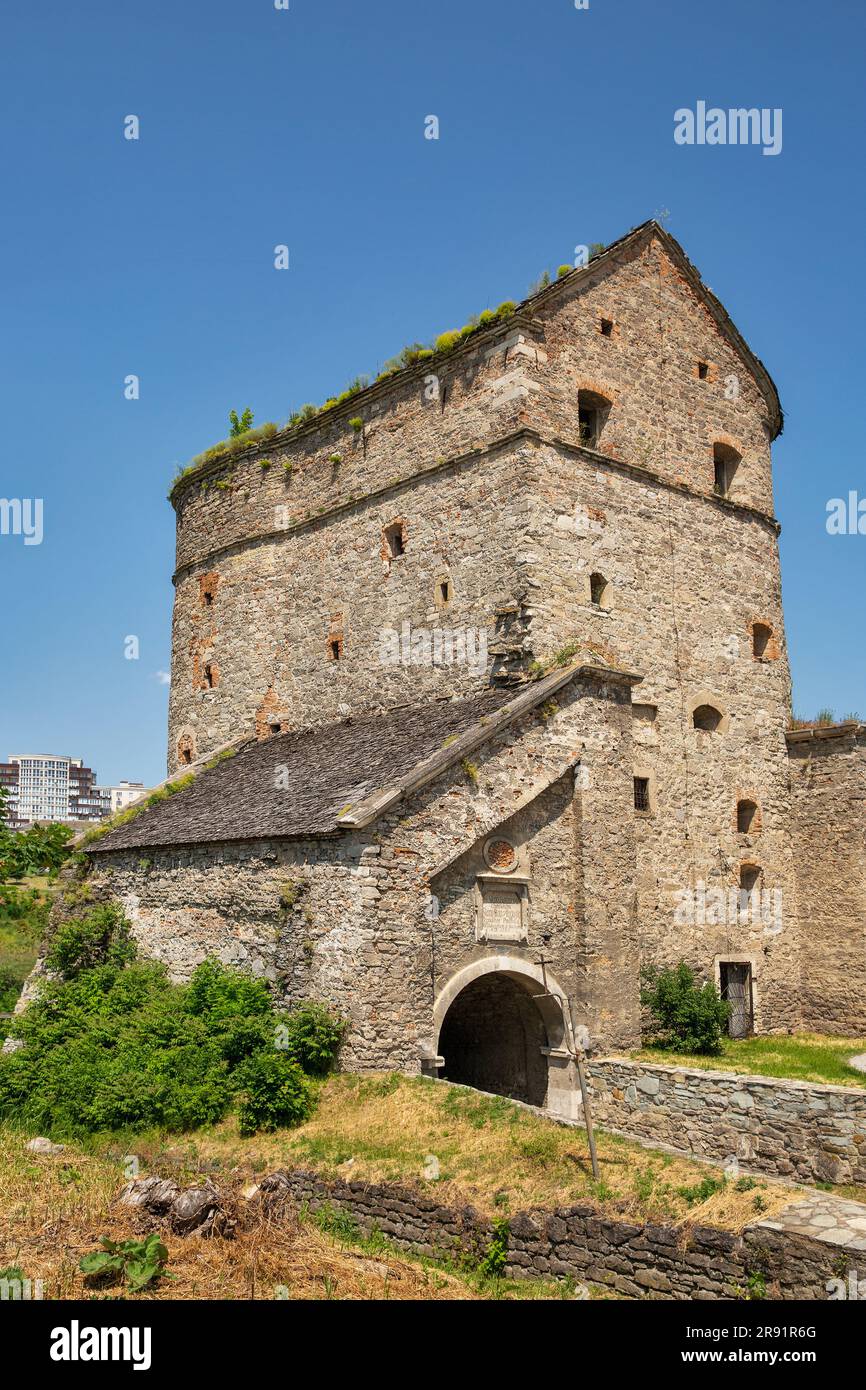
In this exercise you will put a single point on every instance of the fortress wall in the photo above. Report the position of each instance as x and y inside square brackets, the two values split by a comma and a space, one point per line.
[828, 784]
[686, 579]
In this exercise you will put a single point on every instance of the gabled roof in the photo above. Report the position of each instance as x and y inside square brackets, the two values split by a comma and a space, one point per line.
[711, 302]
[521, 316]
[341, 777]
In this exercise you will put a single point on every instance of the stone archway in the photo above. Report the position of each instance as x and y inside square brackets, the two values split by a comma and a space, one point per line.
[500, 1027]
[492, 1038]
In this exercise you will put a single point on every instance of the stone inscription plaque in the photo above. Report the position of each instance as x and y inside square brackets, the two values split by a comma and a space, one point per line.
[502, 917]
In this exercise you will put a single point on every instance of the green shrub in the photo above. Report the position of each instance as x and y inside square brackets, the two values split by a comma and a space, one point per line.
[492, 1265]
[311, 1034]
[116, 1046]
[274, 1093]
[564, 270]
[100, 938]
[687, 1017]
[446, 341]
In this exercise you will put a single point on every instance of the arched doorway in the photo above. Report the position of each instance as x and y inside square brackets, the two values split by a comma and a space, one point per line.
[492, 1038]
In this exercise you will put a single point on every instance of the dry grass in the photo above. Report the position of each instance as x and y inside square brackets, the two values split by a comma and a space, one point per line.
[490, 1152]
[54, 1210]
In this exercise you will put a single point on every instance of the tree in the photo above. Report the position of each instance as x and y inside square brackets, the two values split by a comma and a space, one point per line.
[240, 424]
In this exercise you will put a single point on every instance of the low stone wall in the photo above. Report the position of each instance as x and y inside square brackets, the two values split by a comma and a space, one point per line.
[789, 1129]
[636, 1261]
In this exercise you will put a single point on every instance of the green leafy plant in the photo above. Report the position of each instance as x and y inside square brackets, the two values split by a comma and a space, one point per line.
[687, 1017]
[139, 1262]
[312, 1035]
[493, 1262]
[100, 938]
[239, 425]
[756, 1285]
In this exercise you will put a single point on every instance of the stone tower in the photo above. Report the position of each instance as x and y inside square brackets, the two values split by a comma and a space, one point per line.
[589, 472]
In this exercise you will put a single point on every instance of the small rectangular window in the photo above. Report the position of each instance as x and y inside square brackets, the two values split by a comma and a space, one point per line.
[395, 540]
[703, 370]
[606, 327]
[641, 794]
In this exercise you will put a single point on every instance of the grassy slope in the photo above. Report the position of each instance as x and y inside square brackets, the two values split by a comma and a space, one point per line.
[490, 1152]
[55, 1209]
[802, 1057]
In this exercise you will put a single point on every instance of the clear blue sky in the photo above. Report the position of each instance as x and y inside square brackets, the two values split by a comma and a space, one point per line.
[306, 127]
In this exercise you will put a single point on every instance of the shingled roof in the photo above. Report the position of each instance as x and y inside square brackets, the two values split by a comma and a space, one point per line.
[338, 777]
[328, 769]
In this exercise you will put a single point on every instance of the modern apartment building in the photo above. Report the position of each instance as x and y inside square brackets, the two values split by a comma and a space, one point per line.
[47, 787]
[124, 794]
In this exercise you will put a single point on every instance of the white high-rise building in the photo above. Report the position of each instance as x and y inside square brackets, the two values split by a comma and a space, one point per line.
[48, 787]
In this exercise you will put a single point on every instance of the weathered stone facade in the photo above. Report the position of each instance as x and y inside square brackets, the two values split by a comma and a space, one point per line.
[828, 786]
[584, 489]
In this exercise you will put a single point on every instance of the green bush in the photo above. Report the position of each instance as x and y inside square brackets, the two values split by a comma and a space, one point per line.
[687, 1017]
[275, 1093]
[113, 1044]
[100, 938]
[311, 1035]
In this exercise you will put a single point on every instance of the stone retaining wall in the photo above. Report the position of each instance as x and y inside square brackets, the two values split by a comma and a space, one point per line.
[789, 1129]
[636, 1261]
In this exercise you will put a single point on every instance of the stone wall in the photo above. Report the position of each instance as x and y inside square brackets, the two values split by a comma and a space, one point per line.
[290, 537]
[648, 1261]
[828, 787]
[789, 1129]
[686, 580]
[349, 918]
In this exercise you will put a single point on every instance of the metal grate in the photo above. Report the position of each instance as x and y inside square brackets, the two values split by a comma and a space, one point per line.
[641, 794]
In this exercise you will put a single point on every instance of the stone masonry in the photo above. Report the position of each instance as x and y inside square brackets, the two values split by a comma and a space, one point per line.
[508, 627]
